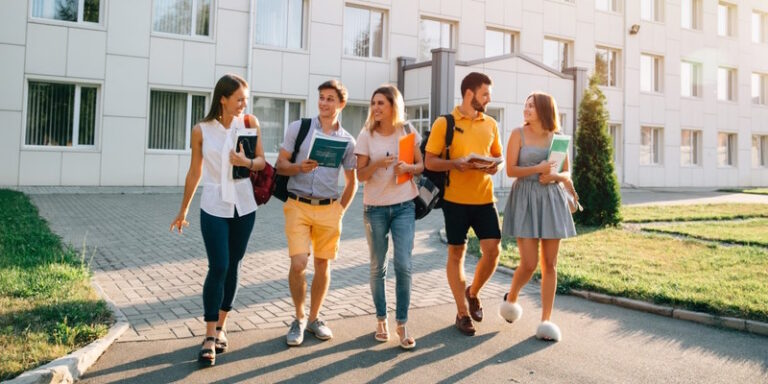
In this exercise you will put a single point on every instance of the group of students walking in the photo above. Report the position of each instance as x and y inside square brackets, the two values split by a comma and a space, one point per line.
[536, 213]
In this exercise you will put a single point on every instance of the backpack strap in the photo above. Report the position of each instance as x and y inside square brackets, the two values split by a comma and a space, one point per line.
[450, 124]
[303, 131]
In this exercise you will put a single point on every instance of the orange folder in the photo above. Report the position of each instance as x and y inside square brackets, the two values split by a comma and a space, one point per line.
[405, 154]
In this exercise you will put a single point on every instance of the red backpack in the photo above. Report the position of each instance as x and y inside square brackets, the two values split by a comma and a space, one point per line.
[262, 181]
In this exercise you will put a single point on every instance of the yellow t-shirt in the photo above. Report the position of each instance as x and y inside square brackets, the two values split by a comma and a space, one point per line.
[479, 136]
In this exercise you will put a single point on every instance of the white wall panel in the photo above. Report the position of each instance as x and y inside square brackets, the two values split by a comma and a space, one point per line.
[123, 149]
[166, 60]
[40, 168]
[46, 49]
[10, 133]
[13, 28]
[11, 77]
[129, 25]
[79, 168]
[86, 54]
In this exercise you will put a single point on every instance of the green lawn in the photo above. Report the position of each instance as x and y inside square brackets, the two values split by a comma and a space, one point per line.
[47, 306]
[652, 213]
[754, 191]
[747, 232]
[724, 280]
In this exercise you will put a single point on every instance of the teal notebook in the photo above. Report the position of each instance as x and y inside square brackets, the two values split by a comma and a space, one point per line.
[558, 150]
[327, 150]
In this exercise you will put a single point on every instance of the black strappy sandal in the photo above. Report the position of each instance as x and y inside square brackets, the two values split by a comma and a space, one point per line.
[221, 345]
[207, 356]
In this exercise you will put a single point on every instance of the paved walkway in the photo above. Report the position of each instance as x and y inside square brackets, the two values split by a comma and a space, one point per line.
[155, 277]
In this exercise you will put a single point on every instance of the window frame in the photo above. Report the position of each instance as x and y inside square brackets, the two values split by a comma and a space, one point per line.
[731, 19]
[762, 97]
[286, 118]
[762, 33]
[732, 149]
[100, 25]
[191, 36]
[188, 133]
[732, 89]
[617, 58]
[762, 151]
[657, 76]
[453, 34]
[514, 37]
[696, 16]
[696, 87]
[616, 141]
[614, 6]
[78, 83]
[657, 137]
[657, 8]
[384, 33]
[695, 143]
[304, 32]
[569, 51]
[422, 119]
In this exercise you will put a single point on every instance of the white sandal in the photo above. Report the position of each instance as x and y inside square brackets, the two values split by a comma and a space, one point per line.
[406, 341]
[382, 331]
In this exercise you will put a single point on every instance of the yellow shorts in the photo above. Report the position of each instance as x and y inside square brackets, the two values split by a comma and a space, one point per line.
[316, 225]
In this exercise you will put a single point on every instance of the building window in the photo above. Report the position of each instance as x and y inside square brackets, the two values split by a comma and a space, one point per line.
[690, 79]
[498, 42]
[274, 115]
[651, 145]
[690, 147]
[726, 84]
[557, 54]
[434, 34]
[67, 10]
[171, 118]
[353, 118]
[652, 10]
[61, 115]
[280, 23]
[496, 114]
[615, 131]
[759, 151]
[759, 27]
[608, 5]
[563, 122]
[418, 115]
[651, 73]
[759, 88]
[607, 66]
[726, 19]
[726, 149]
[691, 14]
[182, 17]
[363, 32]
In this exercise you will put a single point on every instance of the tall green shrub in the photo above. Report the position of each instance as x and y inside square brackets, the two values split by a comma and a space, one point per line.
[593, 172]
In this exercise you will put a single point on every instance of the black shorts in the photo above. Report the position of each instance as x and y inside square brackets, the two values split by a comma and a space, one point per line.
[483, 219]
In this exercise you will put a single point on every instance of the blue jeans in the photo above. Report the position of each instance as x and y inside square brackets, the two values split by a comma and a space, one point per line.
[225, 242]
[399, 219]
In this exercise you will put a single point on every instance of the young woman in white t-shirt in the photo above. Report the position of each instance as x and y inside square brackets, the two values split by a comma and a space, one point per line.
[388, 206]
[227, 205]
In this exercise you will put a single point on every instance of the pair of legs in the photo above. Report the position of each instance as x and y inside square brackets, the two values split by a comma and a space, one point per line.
[529, 258]
[400, 221]
[297, 281]
[225, 242]
[457, 280]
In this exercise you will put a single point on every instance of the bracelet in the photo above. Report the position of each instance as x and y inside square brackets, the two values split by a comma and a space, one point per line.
[251, 167]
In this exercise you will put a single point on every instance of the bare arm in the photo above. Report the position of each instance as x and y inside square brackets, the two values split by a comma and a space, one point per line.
[366, 167]
[285, 167]
[238, 157]
[436, 163]
[513, 152]
[350, 187]
[416, 168]
[194, 174]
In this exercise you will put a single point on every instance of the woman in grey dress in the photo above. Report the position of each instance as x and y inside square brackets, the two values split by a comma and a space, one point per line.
[537, 209]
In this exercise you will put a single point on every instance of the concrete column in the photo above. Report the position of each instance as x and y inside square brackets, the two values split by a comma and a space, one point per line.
[401, 63]
[580, 83]
[443, 81]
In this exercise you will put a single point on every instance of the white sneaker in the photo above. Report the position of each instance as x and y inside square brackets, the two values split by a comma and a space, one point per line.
[295, 335]
[320, 330]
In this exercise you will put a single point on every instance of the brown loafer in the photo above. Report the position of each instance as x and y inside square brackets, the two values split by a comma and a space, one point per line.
[465, 326]
[475, 308]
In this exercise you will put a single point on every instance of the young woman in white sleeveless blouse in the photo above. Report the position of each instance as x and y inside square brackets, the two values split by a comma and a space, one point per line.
[227, 206]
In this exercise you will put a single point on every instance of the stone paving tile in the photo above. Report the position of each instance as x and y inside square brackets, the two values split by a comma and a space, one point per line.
[155, 277]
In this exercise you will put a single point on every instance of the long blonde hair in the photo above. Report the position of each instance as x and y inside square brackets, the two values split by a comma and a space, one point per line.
[546, 109]
[395, 99]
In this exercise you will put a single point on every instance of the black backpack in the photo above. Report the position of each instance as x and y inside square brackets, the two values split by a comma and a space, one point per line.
[281, 181]
[439, 179]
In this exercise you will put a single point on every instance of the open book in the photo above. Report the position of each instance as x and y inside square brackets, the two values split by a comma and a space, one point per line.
[327, 150]
[558, 151]
[247, 137]
[483, 162]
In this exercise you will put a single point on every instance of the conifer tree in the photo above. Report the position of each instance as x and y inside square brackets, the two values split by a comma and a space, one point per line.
[593, 172]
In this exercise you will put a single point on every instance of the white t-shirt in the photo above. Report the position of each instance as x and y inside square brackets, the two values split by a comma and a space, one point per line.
[381, 188]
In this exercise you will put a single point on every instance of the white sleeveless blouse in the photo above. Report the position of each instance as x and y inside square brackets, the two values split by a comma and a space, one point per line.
[221, 193]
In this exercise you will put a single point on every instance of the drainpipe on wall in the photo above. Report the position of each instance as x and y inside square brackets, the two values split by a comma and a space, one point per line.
[401, 63]
[443, 80]
[580, 82]
[249, 63]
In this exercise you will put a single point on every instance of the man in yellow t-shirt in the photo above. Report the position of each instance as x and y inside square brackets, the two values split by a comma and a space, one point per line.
[468, 200]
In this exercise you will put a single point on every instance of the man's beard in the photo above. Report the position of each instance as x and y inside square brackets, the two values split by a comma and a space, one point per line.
[477, 106]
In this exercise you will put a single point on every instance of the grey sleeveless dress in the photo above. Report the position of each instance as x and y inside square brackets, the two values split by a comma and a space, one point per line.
[534, 210]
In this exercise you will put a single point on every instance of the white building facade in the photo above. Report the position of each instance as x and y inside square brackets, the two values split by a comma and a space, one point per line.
[105, 92]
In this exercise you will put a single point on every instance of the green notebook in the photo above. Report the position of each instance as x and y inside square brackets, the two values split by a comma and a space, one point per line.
[558, 150]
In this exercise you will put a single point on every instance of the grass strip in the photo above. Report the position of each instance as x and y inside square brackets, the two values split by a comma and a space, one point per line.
[47, 306]
[726, 281]
[701, 212]
[754, 191]
[744, 232]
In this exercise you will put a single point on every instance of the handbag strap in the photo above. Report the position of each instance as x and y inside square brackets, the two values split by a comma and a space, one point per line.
[303, 131]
